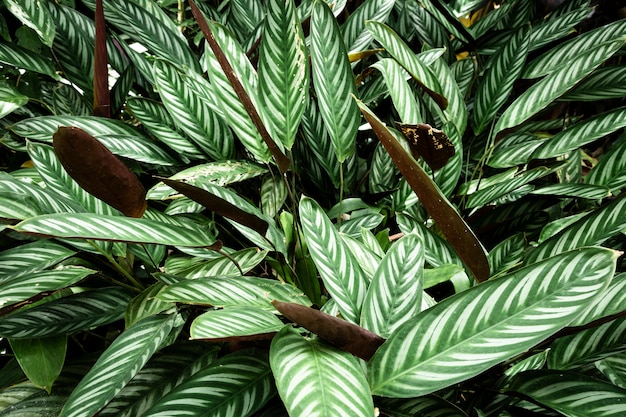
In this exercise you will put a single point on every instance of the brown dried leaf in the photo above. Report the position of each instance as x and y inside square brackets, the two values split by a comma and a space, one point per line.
[98, 171]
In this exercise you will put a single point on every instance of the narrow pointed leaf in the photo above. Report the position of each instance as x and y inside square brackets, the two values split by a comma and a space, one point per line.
[571, 394]
[451, 224]
[333, 81]
[23, 58]
[114, 228]
[469, 333]
[35, 15]
[10, 99]
[235, 323]
[31, 257]
[98, 171]
[117, 365]
[238, 384]
[403, 98]
[610, 171]
[605, 83]
[536, 98]
[610, 303]
[395, 293]
[342, 275]
[283, 71]
[66, 315]
[504, 67]
[355, 36]
[344, 335]
[593, 229]
[318, 380]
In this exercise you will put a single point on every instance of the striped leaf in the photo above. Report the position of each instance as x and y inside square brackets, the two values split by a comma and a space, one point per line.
[120, 138]
[333, 81]
[456, 112]
[430, 31]
[232, 265]
[593, 229]
[190, 112]
[383, 173]
[10, 99]
[557, 27]
[428, 405]
[588, 191]
[554, 58]
[490, 193]
[610, 302]
[231, 106]
[235, 385]
[145, 304]
[401, 52]
[367, 259]
[283, 71]
[402, 96]
[367, 221]
[117, 365]
[514, 149]
[341, 274]
[23, 58]
[557, 83]
[22, 288]
[507, 254]
[114, 228]
[470, 332]
[31, 257]
[604, 83]
[395, 293]
[16, 206]
[233, 292]
[163, 372]
[571, 394]
[314, 379]
[66, 315]
[273, 195]
[35, 15]
[614, 368]
[582, 133]
[219, 173]
[610, 171]
[235, 322]
[245, 16]
[588, 346]
[355, 36]
[158, 122]
[504, 67]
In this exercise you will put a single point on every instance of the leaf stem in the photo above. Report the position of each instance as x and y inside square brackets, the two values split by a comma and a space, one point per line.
[136, 284]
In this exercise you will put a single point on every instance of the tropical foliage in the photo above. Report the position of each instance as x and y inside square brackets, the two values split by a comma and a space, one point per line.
[312, 208]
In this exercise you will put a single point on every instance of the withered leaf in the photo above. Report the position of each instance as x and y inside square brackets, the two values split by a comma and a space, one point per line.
[431, 144]
[98, 171]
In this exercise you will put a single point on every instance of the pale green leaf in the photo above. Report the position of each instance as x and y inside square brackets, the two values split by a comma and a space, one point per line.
[26, 259]
[235, 322]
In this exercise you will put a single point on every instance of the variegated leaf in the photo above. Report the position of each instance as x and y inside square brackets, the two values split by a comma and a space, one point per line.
[233, 292]
[66, 315]
[235, 322]
[395, 293]
[235, 385]
[340, 272]
[117, 365]
[145, 304]
[557, 27]
[568, 74]
[504, 67]
[35, 15]
[470, 332]
[610, 171]
[333, 81]
[515, 149]
[316, 380]
[604, 83]
[614, 368]
[23, 58]
[235, 264]
[114, 228]
[588, 191]
[355, 36]
[10, 99]
[610, 302]
[273, 195]
[283, 72]
[403, 98]
[26, 259]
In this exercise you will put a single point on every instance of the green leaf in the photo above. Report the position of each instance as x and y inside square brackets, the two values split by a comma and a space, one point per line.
[315, 379]
[470, 332]
[117, 365]
[41, 359]
[504, 67]
[514, 149]
[588, 191]
[610, 171]
[233, 292]
[428, 405]
[588, 346]
[145, 304]
[604, 83]
[593, 229]
[115, 228]
[614, 368]
[232, 265]
[235, 322]
[190, 112]
[557, 27]
[333, 81]
[10, 99]
[355, 36]
[342, 275]
[607, 304]
[395, 293]
[582, 133]
[507, 254]
[31, 257]
[557, 83]
[66, 315]
[23, 58]
[283, 71]
[17, 206]
[122, 139]
[163, 372]
[237, 384]
[571, 394]
[28, 285]
[554, 58]
[402, 96]
[35, 15]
